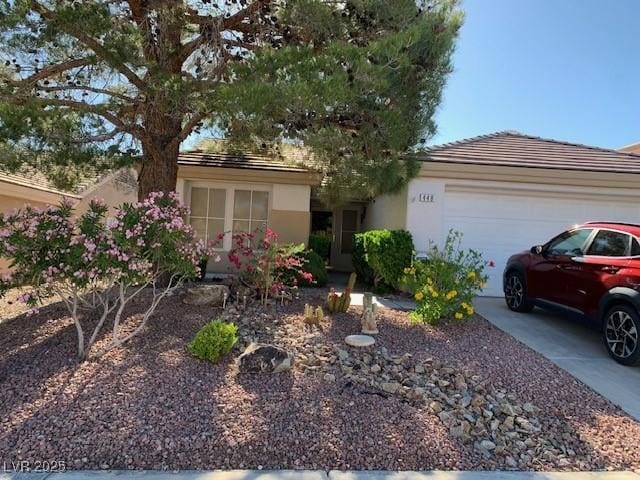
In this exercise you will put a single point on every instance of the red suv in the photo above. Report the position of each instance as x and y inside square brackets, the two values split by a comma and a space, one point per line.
[593, 270]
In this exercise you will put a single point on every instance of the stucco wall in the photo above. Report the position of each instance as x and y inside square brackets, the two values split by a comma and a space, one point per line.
[115, 190]
[291, 226]
[8, 203]
[386, 211]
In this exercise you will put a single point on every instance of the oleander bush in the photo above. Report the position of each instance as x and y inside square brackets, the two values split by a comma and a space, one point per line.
[214, 340]
[97, 265]
[445, 283]
[380, 256]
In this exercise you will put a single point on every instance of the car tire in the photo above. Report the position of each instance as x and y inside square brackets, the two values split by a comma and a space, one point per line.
[621, 334]
[515, 292]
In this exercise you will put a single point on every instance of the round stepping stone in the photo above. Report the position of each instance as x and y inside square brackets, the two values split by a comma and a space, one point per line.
[359, 340]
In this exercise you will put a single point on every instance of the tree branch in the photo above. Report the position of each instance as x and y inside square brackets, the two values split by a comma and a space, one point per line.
[85, 107]
[53, 70]
[91, 43]
[87, 88]
[188, 127]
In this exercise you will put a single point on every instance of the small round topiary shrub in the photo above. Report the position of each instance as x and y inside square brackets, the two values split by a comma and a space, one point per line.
[214, 340]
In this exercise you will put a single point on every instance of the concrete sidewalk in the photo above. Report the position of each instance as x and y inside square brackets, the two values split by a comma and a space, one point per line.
[317, 475]
[395, 302]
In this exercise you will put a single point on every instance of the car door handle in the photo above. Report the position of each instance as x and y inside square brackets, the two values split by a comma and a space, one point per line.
[565, 266]
[610, 269]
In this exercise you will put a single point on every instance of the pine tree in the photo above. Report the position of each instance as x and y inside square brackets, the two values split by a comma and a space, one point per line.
[97, 84]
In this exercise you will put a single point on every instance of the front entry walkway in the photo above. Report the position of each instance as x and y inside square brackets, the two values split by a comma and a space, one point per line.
[572, 345]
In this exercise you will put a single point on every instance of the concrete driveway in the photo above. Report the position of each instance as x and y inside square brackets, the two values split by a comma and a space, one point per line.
[572, 345]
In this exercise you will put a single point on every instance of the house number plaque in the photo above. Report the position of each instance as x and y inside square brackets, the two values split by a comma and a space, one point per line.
[426, 197]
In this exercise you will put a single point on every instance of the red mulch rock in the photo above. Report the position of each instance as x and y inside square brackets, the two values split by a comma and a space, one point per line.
[151, 405]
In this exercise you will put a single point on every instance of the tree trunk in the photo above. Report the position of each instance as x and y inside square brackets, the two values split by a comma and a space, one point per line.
[159, 171]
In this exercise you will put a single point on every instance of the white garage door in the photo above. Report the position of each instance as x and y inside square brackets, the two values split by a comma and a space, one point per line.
[499, 223]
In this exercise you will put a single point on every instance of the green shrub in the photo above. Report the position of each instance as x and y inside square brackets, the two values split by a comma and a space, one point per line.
[316, 266]
[358, 258]
[446, 282]
[380, 256]
[320, 242]
[214, 340]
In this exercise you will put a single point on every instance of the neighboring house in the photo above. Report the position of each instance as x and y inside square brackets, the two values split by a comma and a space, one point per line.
[633, 148]
[33, 188]
[507, 192]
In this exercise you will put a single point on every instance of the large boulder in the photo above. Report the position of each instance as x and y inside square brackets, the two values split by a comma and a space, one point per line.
[206, 295]
[260, 358]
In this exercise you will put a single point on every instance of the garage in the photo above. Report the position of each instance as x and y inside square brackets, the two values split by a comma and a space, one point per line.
[507, 192]
[501, 222]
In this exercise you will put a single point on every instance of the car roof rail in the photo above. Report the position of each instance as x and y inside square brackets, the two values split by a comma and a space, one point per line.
[629, 224]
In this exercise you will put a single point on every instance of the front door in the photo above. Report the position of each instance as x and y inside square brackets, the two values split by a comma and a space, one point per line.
[346, 222]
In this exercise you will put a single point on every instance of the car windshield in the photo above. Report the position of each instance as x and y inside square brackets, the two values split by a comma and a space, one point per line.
[569, 243]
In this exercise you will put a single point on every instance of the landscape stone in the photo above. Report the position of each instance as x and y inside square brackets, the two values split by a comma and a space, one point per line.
[359, 340]
[259, 358]
[206, 295]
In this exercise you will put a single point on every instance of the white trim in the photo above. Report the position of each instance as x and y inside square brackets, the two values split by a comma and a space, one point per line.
[517, 189]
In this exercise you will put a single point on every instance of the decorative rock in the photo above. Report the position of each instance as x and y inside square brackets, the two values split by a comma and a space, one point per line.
[359, 340]
[375, 368]
[487, 445]
[456, 431]
[390, 387]
[206, 295]
[508, 410]
[259, 358]
[330, 377]
[508, 423]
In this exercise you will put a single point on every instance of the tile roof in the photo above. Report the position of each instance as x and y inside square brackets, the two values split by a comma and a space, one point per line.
[513, 149]
[33, 179]
[242, 161]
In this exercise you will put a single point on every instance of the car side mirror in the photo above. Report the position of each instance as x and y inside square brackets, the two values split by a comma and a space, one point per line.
[537, 249]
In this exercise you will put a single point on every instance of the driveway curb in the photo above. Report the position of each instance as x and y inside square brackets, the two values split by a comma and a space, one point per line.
[481, 475]
[172, 475]
[315, 475]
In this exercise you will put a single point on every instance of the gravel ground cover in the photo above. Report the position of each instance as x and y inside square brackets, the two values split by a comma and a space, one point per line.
[151, 405]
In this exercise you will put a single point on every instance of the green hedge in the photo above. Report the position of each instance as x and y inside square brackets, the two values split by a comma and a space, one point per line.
[320, 243]
[380, 256]
[358, 257]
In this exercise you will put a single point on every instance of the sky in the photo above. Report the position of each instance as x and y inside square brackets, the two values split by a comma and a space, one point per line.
[562, 69]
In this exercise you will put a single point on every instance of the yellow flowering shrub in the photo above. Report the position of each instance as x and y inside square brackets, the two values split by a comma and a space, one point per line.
[445, 283]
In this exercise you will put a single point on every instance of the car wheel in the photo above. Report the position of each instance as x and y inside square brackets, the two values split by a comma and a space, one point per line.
[621, 334]
[515, 293]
